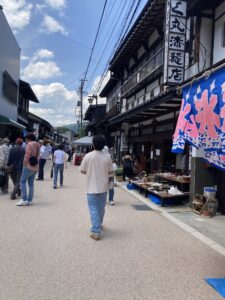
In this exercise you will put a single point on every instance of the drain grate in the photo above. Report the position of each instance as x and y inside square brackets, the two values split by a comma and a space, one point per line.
[141, 207]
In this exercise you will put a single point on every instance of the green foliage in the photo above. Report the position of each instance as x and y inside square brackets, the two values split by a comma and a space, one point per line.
[119, 172]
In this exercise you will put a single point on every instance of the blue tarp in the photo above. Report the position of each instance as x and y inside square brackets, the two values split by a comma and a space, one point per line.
[218, 284]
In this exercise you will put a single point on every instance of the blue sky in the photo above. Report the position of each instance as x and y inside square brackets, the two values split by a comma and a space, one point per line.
[55, 37]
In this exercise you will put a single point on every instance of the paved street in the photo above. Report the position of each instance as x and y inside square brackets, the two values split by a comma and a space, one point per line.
[46, 252]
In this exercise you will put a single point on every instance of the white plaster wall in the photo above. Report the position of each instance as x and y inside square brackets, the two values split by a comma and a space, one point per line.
[219, 50]
[10, 62]
[204, 51]
[206, 43]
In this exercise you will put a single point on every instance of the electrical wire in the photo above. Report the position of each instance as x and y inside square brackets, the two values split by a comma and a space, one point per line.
[109, 39]
[95, 40]
[116, 45]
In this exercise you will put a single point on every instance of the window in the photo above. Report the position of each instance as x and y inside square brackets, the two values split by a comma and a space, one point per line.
[9, 88]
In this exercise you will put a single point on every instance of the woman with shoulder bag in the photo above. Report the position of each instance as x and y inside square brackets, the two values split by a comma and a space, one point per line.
[30, 168]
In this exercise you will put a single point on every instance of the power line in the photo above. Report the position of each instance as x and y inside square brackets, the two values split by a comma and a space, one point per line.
[107, 43]
[96, 36]
[131, 20]
[122, 26]
[116, 45]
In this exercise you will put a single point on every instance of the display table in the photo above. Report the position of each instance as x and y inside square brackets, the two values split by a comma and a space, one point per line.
[182, 181]
[160, 196]
[163, 196]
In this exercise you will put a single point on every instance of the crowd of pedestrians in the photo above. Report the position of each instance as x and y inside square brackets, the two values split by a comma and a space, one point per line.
[23, 161]
[26, 159]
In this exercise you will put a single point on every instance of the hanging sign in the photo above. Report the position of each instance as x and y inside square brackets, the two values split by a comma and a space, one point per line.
[175, 38]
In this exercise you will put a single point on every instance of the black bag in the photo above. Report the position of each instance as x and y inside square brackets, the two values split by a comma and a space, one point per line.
[2, 178]
[33, 160]
[51, 173]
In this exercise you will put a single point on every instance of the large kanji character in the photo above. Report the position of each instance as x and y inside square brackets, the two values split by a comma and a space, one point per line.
[182, 121]
[222, 114]
[191, 128]
[206, 116]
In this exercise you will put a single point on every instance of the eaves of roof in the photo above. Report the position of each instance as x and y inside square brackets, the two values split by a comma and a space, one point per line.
[151, 17]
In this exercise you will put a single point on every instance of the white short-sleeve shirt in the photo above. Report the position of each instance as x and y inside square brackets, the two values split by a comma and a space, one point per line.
[97, 167]
[59, 156]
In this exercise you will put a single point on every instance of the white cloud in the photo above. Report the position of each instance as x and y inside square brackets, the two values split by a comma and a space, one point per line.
[41, 70]
[57, 103]
[56, 4]
[18, 13]
[52, 25]
[43, 53]
[40, 7]
[24, 57]
[41, 66]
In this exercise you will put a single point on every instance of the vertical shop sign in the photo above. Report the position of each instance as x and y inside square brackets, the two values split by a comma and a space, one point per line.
[175, 38]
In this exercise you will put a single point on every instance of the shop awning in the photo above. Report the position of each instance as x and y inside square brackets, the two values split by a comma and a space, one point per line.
[85, 141]
[9, 122]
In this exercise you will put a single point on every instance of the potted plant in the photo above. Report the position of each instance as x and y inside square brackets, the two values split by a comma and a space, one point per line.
[119, 174]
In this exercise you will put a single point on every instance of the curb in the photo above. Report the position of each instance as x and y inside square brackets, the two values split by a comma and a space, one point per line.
[212, 244]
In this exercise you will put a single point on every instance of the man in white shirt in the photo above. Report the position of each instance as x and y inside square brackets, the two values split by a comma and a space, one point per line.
[59, 162]
[42, 160]
[98, 167]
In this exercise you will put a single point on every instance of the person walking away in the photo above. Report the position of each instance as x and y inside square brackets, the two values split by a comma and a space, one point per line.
[30, 168]
[15, 165]
[59, 162]
[127, 166]
[98, 167]
[111, 179]
[4, 154]
[42, 160]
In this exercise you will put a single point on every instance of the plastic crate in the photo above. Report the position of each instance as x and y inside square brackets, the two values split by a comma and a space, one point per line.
[131, 186]
[157, 200]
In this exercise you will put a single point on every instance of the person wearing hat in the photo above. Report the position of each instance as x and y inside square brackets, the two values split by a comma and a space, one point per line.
[4, 154]
[15, 164]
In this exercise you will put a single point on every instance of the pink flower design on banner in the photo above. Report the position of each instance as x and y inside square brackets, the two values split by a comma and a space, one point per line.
[191, 128]
[222, 114]
[182, 121]
[206, 117]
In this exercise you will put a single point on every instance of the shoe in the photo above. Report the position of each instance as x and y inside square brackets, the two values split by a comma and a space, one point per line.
[111, 202]
[22, 203]
[39, 179]
[13, 198]
[54, 187]
[29, 203]
[95, 236]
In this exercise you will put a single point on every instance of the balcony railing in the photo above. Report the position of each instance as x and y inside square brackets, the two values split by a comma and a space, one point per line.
[147, 69]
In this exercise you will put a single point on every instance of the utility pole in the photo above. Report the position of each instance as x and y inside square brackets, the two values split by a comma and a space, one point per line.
[82, 81]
